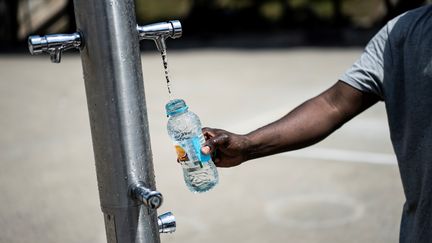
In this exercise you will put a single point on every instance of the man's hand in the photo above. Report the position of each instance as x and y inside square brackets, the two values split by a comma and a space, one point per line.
[307, 124]
[227, 149]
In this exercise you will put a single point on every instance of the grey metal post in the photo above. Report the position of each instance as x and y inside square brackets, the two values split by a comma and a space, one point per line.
[118, 118]
[107, 37]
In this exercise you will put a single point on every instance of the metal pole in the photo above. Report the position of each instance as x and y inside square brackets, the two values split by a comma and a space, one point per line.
[118, 118]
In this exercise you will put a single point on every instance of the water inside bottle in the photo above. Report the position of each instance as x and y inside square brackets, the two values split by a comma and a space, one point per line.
[200, 177]
[184, 127]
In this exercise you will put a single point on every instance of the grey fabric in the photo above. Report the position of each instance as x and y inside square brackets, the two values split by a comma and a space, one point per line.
[397, 66]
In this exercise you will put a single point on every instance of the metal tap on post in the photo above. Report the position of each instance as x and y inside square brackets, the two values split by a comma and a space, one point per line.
[108, 40]
[159, 32]
[55, 44]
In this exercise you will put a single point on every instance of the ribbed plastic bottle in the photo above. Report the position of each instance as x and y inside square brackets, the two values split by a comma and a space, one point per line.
[184, 128]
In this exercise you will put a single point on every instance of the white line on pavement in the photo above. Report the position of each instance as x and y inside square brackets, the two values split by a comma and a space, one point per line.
[343, 155]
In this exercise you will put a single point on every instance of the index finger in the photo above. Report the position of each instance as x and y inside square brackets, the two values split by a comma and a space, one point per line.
[209, 132]
[216, 142]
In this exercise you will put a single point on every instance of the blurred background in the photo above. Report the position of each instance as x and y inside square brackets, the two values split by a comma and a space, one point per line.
[240, 64]
[208, 22]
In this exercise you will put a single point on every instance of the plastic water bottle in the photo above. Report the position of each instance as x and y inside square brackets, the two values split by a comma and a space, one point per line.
[184, 128]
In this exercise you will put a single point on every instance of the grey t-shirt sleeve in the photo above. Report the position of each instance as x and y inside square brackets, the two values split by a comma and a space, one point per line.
[367, 73]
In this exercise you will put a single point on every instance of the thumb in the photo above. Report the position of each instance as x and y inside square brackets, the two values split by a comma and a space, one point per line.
[205, 149]
[215, 142]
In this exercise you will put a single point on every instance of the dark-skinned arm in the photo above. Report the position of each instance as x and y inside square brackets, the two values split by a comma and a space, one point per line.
[307, 124]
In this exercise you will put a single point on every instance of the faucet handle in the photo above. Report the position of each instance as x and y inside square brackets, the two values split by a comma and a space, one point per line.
[151, 199]
[167, 223]
[177, 29]
[53, 44]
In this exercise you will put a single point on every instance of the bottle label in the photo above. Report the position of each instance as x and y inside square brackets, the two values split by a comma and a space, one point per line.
[181, 154]
[191, 150]
[204, 158]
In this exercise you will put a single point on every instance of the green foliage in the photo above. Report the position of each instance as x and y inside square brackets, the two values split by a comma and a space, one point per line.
[363, 13]
[321, 8]
[272, 11]
[359, 12]
[297, 3]
[150, 10]
[234, 4]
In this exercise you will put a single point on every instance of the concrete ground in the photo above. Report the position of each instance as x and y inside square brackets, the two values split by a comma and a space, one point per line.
[345, 189]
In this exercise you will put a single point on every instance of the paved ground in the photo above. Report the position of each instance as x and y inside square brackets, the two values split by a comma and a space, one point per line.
[345, 189]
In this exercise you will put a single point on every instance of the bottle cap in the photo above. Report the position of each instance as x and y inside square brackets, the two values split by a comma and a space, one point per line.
[176, 106]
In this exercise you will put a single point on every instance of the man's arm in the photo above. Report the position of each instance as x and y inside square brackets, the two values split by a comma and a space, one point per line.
[307, 124]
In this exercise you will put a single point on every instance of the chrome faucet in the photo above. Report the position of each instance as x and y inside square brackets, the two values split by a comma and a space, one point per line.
[153, 200]
[167, 223]
[55, 44]
[159, 32]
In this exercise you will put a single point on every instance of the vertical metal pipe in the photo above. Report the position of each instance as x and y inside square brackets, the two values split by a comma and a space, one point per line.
[118, 118]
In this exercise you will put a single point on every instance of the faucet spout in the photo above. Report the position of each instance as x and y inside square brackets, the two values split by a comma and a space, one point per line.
[159, 32]
[160, 44]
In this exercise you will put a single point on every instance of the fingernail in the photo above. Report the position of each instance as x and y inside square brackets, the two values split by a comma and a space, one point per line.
[205, 150]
